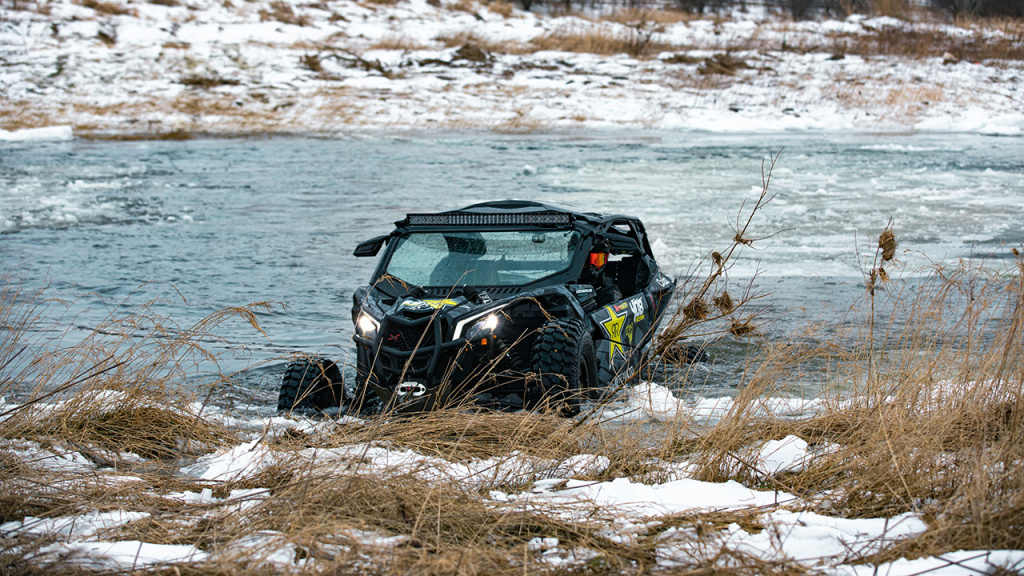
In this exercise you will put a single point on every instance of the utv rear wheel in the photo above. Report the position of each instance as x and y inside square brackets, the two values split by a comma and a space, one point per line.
[563, 358]
[311, 384]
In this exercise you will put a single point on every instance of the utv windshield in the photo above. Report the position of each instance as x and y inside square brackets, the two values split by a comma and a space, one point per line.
[484, 258]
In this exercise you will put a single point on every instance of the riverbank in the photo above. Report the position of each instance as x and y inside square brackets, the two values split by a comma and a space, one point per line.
[174, 70]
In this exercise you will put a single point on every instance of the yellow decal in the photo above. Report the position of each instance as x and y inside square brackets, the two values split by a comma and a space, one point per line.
[614, 327]
[440, 303]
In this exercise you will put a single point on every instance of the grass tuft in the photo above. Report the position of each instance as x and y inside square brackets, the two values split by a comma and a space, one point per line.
[206, 81]
[111, 8]
[281, 11]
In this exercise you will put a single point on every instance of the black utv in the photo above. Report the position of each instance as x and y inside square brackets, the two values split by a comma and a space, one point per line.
[518, 304]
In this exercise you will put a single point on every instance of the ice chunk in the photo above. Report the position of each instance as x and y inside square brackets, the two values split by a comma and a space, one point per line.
[50, 133]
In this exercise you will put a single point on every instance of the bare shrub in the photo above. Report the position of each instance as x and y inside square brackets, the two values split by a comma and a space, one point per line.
[102, 7]
[927, 42]
[116, 390]
[467, 37]
[638, 41]
[207, 80]
[934, 425]
[281, 11]
[724, 64]
[501, 8]
[311, 62]
[981, 8]
[892, 8]
[397, 42]
[700, 6]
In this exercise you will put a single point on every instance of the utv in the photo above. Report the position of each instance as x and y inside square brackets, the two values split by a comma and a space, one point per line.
[519, 304]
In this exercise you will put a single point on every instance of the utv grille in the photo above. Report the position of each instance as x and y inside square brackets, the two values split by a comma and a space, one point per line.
[409, 337]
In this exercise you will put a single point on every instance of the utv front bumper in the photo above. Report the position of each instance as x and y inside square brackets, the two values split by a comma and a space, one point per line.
[411, 368]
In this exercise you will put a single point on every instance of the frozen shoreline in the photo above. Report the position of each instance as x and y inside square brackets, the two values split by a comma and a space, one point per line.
[801, 532]
[174, 71]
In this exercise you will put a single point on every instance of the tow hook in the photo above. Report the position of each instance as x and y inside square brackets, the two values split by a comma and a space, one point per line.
[413, 389]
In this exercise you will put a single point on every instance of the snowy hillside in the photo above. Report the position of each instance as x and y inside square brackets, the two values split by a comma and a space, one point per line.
[176, 68]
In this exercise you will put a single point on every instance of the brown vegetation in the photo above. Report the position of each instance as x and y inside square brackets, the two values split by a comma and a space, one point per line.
[111, 8]
[282, 11]
[923, 412]
[636, 42]
[199, 80]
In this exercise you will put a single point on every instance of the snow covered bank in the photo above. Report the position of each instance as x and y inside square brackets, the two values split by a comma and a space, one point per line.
[338, 66]
[237, 492]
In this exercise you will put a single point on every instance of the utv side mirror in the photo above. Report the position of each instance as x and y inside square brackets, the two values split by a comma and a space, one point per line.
[370, 247]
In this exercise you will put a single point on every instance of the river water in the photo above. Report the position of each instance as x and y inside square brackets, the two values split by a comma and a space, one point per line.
[197, 226]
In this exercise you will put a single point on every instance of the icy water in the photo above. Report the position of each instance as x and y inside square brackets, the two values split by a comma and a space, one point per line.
[206, 224]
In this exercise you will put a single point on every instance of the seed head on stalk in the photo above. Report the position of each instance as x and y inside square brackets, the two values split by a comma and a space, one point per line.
[887, 243]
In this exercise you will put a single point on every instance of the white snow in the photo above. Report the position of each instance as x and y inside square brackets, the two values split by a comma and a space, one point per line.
[636, 500]
[80, 526]
[652, 401]
[48, 133]
[806, 537]
[126, 554]
[786, 455]
[960, 563]
[239, 462]
[357, 67]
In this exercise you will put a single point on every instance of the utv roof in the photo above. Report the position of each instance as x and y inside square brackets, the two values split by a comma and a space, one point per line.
[508, 213]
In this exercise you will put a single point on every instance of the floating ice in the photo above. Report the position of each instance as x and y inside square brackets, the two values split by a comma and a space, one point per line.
[51, 133]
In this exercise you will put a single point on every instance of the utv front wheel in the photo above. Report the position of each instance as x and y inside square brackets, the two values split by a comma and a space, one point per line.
[309, 384]
[563, 358]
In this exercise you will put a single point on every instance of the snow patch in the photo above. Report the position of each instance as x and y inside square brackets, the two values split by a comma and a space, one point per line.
[47, 134]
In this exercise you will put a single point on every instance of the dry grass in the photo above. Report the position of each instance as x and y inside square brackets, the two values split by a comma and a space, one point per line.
[891, 8]
[632, 16]
[469, 38]
[281, 11]
[114, 389]
[635, 42]
[926, 416]
[933, 424]
[900, 101]
[924, 42]
[207, 80]
[936, 421]
[469, 6]
[111, 8]
[501, 8]
[397, 42]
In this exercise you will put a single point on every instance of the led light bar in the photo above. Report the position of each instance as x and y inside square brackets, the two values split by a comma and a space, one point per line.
[457, 219]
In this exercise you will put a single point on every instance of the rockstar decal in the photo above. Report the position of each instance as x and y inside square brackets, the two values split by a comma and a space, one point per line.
[614, 327]
[440, 303]
[428, 304]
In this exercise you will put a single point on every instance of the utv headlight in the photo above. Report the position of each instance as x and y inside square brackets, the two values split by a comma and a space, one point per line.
[482, 324]
[483, 327]
[366, 326]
